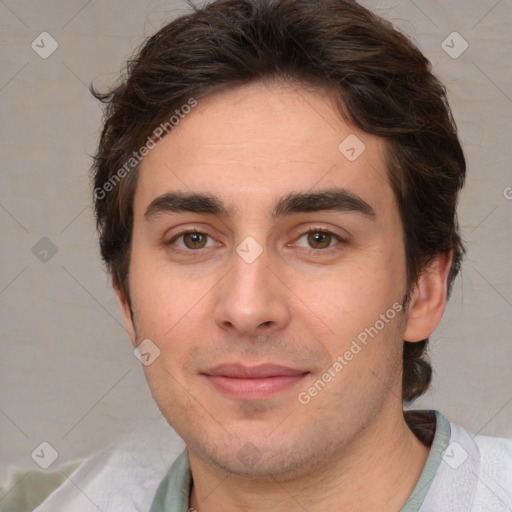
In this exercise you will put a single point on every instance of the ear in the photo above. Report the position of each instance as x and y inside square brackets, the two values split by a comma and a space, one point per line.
[126, 311]
[428, 299]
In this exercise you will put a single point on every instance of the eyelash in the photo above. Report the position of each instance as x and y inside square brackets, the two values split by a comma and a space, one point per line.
[328, 250]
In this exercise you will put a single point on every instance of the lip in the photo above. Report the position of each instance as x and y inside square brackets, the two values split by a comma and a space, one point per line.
[253, 383]
[260, 371]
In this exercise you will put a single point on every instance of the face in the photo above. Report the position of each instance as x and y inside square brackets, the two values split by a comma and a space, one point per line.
[268, 267]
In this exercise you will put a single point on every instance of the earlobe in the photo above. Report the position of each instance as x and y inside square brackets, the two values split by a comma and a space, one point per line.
[125, 310]
[428, 299]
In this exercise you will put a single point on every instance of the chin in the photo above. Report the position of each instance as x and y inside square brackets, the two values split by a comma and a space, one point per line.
[257, 456]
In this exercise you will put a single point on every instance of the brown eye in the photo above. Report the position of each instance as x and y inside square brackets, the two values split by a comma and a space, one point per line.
[194, 240]
[190, 240]
[319, 239]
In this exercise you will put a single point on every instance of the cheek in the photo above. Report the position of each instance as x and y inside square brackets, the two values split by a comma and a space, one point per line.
[348, 323]
[350, 299]
[158, 295]
[171, 309]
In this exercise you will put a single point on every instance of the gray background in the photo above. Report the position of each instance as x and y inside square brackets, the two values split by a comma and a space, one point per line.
[67, 371]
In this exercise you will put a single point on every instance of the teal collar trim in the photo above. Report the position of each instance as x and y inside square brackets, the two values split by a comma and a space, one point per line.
[173, 492]
[439, 445]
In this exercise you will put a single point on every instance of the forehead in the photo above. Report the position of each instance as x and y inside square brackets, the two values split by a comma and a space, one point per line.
[254, 143]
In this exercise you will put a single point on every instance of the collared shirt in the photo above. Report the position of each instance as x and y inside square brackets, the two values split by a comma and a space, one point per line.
[173, 493]
[473, 475]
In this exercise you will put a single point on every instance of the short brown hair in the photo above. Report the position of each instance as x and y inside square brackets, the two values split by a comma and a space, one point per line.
[383, 83]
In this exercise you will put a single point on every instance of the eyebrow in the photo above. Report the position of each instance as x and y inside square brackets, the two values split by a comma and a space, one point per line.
[332, 199]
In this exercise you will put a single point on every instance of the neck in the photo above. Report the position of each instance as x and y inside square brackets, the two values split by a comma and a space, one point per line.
[376, 472]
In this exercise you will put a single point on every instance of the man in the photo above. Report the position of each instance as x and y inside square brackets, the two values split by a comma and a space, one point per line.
[275, 191]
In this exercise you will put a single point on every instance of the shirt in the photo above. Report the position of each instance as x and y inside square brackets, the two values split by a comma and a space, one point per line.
[473, 474]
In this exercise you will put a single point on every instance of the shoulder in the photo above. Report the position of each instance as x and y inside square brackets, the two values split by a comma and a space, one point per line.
[495, 475]
[475, 474]
[122, 478]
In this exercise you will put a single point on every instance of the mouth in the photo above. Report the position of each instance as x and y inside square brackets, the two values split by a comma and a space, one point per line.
[253, 383]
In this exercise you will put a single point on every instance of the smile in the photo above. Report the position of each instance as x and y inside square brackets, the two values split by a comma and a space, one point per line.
[256, 383]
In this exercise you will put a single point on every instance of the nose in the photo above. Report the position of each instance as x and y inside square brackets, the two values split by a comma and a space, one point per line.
[252, 299]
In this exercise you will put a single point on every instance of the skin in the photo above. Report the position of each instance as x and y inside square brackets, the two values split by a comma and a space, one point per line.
[299, 304]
